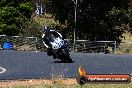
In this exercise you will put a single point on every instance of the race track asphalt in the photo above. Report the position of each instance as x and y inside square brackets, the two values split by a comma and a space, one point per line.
[35, 65]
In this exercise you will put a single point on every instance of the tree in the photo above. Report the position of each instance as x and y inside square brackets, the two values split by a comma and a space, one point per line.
[130, 16]
[14, 14]
[96, 19]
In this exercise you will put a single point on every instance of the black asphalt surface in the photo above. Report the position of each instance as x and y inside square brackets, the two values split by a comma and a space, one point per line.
[31, 65]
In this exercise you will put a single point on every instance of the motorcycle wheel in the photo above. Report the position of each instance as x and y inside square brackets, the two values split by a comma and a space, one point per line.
[65, 56]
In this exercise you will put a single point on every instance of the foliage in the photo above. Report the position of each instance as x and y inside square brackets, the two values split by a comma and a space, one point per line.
[14, 14]
[31, 28]
[130, 17]
[96, 19]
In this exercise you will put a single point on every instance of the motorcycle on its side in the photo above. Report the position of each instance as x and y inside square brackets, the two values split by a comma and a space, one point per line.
[59, 49]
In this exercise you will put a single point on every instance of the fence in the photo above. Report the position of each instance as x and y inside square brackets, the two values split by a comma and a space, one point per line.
[35, 44]
[20, 43]
[92, 46]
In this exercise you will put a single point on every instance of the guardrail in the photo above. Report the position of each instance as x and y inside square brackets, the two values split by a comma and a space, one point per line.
[20, 42]
[81, 45]
[92, 46]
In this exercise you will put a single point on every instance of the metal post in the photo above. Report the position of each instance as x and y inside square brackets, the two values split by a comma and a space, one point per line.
[115, 47]
[75, 8]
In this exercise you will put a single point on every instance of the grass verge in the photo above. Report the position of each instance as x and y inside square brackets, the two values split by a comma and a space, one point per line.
[58, 83]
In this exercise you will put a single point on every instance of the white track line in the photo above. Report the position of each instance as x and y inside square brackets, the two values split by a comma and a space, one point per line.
[3, 70]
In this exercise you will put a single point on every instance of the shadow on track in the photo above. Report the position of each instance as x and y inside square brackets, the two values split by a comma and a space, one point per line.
[62, 62]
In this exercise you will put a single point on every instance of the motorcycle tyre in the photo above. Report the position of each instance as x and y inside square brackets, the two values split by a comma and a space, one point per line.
[65, 56]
